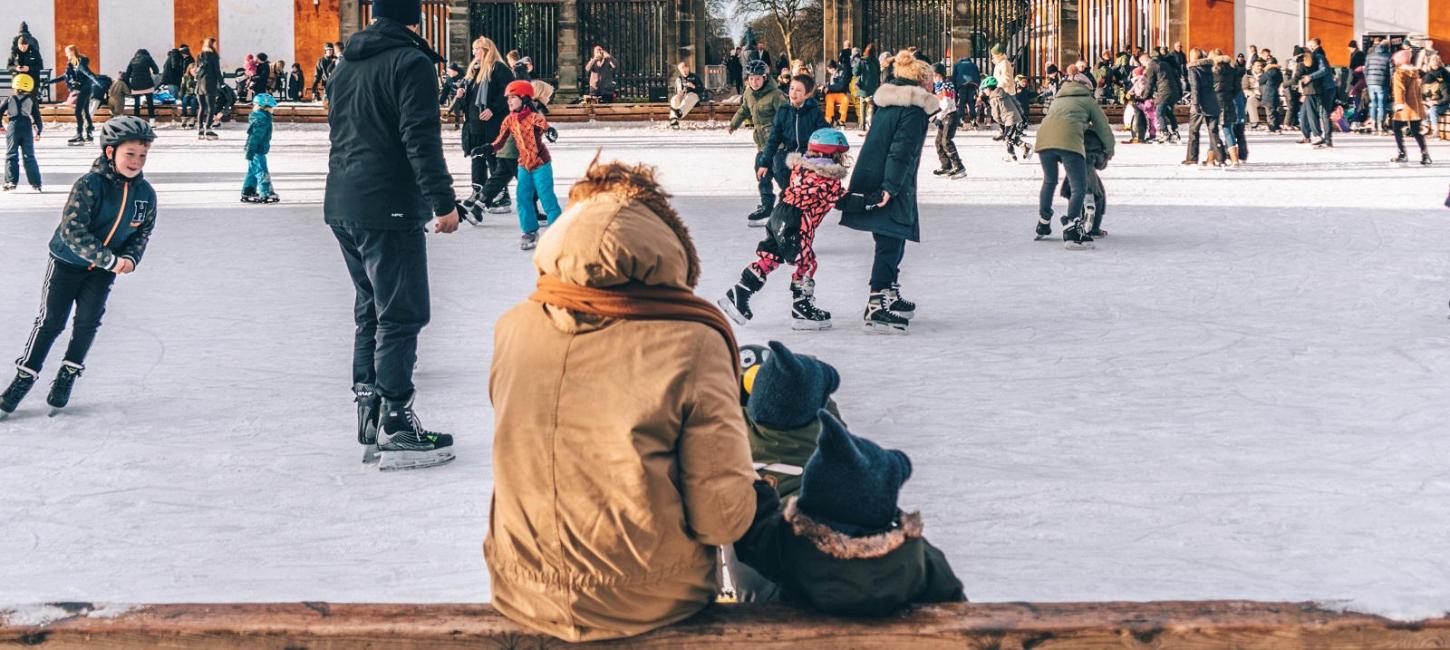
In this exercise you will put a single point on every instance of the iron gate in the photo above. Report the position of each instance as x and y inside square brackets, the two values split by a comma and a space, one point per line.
[899, 24]
[529, 26]
[635, 33]
[1007, 23]
[433, 29]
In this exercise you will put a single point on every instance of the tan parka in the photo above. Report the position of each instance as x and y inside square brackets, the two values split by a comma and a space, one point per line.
[620, 453]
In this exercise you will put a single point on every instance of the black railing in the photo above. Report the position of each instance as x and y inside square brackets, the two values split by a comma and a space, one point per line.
[433, 29]
[531, 27]
[635, 33]
[898, 24]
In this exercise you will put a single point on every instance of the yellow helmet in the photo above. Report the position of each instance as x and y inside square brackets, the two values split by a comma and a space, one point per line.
[23, 83]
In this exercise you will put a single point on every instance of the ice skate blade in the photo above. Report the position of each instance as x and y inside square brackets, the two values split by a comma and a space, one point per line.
[1078, 245]
[370, 454]
[498, 210]
[53, 412]
[728, 307]
[871, 327]
[802, 325]
[756, 224]
[1047, 237]
[390, 461]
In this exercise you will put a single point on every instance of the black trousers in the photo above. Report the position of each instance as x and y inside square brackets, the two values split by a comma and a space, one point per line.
[480, 166]
[83, 113]
[206, 115]
[1276, 116]
[886, 267]
[1414, 127]
[1099, 193]
[150, 104]
[946, 147]
[1077, 176]
[66, 286]
[1167, 121]
[1201, 121]
[389, 270]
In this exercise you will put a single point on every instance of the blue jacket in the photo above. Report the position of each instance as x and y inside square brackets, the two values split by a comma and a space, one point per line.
[1323, 77]
[966, 73]
[259, 133]
[791, 131]
[107, 217]
[1377, 67]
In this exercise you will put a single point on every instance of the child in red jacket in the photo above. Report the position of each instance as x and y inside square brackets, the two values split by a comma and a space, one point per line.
[815, 187]
[527, 127]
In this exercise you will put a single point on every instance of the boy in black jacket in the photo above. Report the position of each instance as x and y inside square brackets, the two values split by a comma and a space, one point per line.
[791, 131]
[843, 546]
[103, 233]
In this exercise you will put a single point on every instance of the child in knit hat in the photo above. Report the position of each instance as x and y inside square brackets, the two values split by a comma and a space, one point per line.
[785, 391]
[843, 546]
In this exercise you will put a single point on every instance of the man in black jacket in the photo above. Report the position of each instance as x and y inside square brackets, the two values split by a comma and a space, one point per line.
[386, 179]
[325, 65]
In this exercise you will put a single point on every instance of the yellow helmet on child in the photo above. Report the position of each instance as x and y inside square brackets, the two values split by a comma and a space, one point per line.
[23, 83]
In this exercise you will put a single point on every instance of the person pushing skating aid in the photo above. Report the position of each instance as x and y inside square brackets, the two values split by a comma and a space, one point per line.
[103, 232]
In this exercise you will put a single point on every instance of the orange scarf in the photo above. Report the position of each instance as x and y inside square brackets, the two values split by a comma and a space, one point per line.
[638, 302]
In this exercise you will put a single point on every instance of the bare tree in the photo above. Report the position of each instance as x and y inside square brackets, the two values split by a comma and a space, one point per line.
[785, 15]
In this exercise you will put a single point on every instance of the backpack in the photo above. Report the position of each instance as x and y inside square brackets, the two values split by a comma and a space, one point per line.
[784, 228]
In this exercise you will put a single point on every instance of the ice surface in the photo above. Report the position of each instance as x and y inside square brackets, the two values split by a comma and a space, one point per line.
[1241, 394]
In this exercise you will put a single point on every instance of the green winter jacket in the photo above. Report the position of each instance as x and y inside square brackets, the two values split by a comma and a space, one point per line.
[759, 106]
[780, 455]
[259, 133]
[1068, 118]
[868, 76]
[872, 575]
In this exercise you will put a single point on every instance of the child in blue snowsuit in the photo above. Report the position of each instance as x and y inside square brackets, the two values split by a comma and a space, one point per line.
[258, 186]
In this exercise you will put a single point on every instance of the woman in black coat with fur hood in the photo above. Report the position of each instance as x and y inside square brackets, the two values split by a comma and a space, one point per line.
[882, 198]
[484, 107]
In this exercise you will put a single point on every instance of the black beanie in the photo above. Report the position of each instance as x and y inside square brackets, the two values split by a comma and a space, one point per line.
[408, 12]
[789, 388]
[851, 483]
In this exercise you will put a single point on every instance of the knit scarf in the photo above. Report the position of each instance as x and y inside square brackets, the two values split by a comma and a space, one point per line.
[634, 301]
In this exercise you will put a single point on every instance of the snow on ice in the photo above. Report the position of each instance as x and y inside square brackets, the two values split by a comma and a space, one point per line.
[1241, 394]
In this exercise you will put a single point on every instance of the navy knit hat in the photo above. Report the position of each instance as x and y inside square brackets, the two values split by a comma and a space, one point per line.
[790, 388]
[408, 12]
[851, 483]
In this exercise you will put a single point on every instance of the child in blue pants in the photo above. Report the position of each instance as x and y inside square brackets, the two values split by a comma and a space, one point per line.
[20, 114]
[536, 175]
[258, 186]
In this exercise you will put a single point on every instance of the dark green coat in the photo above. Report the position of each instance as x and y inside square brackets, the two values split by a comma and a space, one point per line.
[1068, 119]
[790, 448]
[873, 575]
[889, 158]
[759, 106]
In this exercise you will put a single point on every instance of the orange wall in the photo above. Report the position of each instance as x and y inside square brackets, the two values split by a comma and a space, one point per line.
[195, 21]
[1210, 24]
[77, 22]
[1332, 22]
[1439, 28]
[315, 25]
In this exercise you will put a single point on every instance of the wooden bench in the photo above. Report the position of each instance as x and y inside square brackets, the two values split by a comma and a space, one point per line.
[42, 84]
[1210, 624]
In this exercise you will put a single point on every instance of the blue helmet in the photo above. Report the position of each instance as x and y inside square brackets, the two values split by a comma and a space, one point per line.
[264, 100]
[828, 141]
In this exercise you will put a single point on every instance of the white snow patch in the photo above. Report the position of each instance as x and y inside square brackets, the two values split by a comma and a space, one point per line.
[47, 613]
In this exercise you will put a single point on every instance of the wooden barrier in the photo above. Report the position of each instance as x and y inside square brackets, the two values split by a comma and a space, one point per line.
[1002, 626]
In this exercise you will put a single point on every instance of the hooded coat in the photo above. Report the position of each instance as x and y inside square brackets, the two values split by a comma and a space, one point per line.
[1407, 100]
[1068, 119]
[1378, 67]
[1200, 88]
[140, 73]
[889, 158]
[620, 452]
[759, 106]
[791, 130]
[172, 70]
[385, 167]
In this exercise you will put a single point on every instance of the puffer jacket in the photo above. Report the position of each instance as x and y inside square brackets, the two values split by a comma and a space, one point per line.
[1269, 83]
[610, 496]
[1408, 101]
[1227, 85]
[1200, 88]
[140, 74]
[1068, 119]
[889, 159]
[791, 130]
[759, 106]
[1005, 110]
[107, 217]
[259, 133]
[1378, 67]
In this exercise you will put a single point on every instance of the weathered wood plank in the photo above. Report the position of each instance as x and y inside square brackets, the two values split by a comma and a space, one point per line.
[1213, 624]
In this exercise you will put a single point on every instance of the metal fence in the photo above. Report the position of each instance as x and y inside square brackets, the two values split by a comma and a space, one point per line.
[531, 27]
[635, 33]
[1119, 25]
[433, 29]
[898, 24]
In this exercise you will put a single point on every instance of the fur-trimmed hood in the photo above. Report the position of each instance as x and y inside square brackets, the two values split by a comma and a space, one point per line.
[844, 547]
[823, 166]
[895, 94]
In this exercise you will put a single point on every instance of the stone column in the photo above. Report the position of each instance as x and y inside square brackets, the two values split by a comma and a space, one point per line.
[962, 32]
[1069, 33]
[843, 23]
[460, 36]
[350, 18]
[570, 61]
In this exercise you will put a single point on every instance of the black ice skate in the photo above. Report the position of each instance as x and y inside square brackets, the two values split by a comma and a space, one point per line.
[9, 186]
[369, 414]
[942, 171]
[60, 389]
[77, 141]
[271, 198]
[736, 303]
[880, 320]
[19, 388]
[1425, 158]
[1044, 229]
[805, 315]
[1076, 240]
[403, 443]
[898, 305]
[758, 218]
[959, 172]
[472, 208]
[529, 241]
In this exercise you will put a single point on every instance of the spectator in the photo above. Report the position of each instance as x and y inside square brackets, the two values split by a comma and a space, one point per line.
[968, 78]
[188, 99]
[601, 69]
[734, 71]
[278, 82]
[295, 83]
[688, 91]
[260, 81]
[172, 70]
[868, 79]
[1436, 81]
[1377, 69]
[139, 78]
[25, 56]
[665, 454]
[208, 88]
[837, 85]
[323, 71]
[1356, 55]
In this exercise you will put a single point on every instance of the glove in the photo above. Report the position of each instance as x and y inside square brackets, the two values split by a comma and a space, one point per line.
[250, 156]
[552, 135]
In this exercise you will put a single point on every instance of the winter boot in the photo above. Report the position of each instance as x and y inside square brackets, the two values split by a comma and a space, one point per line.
[898, 305]
[1401, 158]
[403, 443]
[736, 303]
[369, 410]
[805, 315]
[65, 380]
[943, 171]
[1425, 158]
[878, 319]
[529, 241]
[24, 380]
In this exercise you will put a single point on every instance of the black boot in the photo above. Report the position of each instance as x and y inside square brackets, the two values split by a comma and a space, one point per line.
[898, 305]
[369, 413]
[736, 303]
[1044, 229]
[805, 315]
[1401, 158]
[65, 380]
[19, 388]
[403, 442]
[878, 319]
[759, 215]
[472, 208]
[1425, 158]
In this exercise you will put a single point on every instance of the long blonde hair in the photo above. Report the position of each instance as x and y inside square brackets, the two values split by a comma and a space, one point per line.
[210, 45]
[481, 69]
[72, 55]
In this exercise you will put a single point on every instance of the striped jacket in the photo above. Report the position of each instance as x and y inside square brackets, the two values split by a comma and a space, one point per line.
[107, 217]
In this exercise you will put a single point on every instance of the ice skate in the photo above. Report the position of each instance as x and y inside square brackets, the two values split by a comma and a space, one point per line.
[958, 173]
[60, 389]
[1076, 240]
[757, 218]
[805, 315]
[19, 388]
[736, 303]
[1425, 158]
[77, 141]
[898, 305]
[9, 186]
[529, 241]
[1400, 159]
[472, 208]
[1026, 152]
[251, 197]
[880, 320]
[369, 414]
[942, 171]
[1044, 229]
[270, 198]
[403, 443]
[37, 189]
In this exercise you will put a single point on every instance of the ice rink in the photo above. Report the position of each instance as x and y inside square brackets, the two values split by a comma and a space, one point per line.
[1244, 392]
